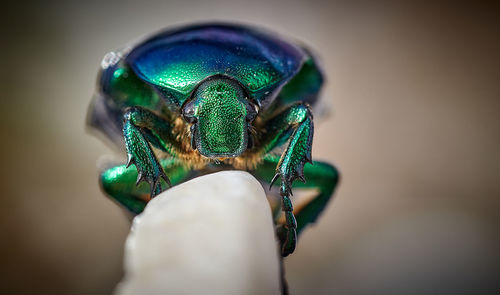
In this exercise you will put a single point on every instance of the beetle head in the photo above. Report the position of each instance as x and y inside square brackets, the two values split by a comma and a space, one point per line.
[221, 115]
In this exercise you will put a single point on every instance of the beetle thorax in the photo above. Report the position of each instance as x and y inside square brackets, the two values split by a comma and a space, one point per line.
[219, 113]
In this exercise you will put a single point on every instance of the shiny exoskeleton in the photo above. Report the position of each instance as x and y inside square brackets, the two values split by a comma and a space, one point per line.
[201, 98]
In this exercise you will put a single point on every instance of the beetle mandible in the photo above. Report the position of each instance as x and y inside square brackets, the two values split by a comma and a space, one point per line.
[202, 98]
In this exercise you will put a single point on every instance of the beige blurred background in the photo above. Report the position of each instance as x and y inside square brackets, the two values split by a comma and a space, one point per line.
[414, 129]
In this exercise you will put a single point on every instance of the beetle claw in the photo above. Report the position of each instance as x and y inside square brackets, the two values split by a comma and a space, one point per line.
[154, 184]
[165, 177]
[273, 180]
[140, 177]
[130, 160]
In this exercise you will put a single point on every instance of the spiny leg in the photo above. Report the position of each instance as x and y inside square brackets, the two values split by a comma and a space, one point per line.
[142, 128]
[320, 175]
[294, 125]
[119, 183]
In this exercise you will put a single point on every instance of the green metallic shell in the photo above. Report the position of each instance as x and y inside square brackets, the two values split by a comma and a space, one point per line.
[161, 72]
[177, 61]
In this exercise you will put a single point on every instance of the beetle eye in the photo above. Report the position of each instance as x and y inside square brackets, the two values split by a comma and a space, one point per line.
[252, 111]
[188, 113]
[189, 119]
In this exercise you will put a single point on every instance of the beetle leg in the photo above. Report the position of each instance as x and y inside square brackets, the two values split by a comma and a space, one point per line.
[142, 128]
[119, 183]
[320, 175]
[294, 125]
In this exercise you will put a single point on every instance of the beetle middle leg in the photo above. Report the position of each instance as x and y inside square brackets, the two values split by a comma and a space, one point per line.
[142, 128]
[119, 182]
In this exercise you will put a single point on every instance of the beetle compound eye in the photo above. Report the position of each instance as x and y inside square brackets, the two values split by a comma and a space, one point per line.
[252, 111]
[189, 119]
[188, 113]
[255, 108]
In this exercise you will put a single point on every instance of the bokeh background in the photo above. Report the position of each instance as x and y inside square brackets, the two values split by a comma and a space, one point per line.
[414, 91]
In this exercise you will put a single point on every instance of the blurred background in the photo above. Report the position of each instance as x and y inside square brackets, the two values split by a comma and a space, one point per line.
[414, 128]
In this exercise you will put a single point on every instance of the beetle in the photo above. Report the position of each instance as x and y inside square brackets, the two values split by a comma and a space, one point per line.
[202, 98]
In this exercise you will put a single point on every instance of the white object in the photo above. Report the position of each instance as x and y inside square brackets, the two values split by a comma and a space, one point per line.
[211, 235]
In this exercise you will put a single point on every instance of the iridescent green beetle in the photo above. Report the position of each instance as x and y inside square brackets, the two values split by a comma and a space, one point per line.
[202, 98]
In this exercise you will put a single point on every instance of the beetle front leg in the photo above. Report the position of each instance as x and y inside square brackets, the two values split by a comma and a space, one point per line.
[321, 176]
[295, 125]
[142, 127]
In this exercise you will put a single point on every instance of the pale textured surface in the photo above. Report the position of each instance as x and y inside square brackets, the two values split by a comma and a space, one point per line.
[211, 235]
